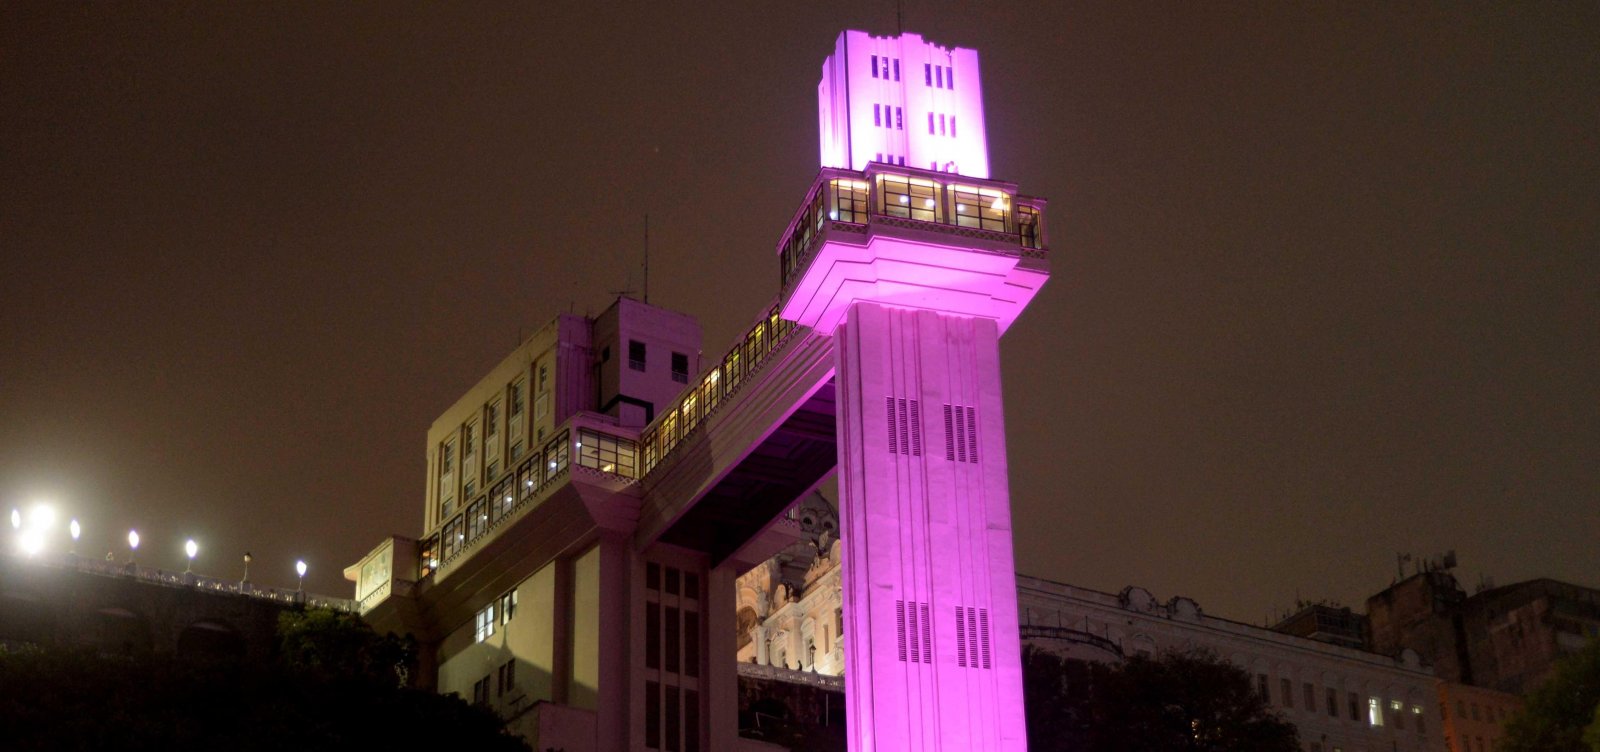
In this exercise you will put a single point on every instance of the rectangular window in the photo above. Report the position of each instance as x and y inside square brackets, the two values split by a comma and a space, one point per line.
[938, 76]
[1355, 707]
[1311, 698]
[897, 69]
[877, 117]
[912, 198]
[672, 719]
[517, 399]
[874, 66]
[652, 715]
[672, 580]
[467, 442]
[900, 124]
[680, 368]
[447, 458]
[636, 355]
[691, 718]
[1288, 692]
[950, 78]
[1333, 702]
[941, 124]
[491, 426]
[1399, 713]
[1374, 711]
[672, 640]
[1263, 687]
[508, 606]
[927, 74]
[930, 124]
[952, 126]
[691, 643]
[484, 624]
[691, 586]
[984, 208]
[1416, 710]
[652, 635]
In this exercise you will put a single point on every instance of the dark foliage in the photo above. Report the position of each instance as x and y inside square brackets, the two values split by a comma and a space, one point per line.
[1180, 702]
[338, 694]
[1560, 712]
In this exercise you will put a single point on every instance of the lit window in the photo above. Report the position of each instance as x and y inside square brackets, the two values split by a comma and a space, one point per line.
[1374, 711]
[484, 624]
[912, 198]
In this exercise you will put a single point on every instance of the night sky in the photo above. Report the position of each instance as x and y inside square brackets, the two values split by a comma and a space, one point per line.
[1326, 280]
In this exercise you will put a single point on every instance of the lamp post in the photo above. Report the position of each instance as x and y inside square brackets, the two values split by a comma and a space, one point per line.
[190, 548]
[133, 547]
[300, 569]
[246, 579]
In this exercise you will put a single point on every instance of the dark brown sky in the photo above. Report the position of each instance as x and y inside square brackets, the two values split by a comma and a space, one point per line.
[1326, 280]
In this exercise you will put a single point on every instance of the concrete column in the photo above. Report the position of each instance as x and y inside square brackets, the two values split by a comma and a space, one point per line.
[720, 671]
[928, 579]
[612, 717]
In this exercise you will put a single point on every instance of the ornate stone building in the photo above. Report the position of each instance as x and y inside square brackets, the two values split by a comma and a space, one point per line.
[789, 606]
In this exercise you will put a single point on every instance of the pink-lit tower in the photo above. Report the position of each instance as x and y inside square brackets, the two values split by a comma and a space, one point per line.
[916, 262]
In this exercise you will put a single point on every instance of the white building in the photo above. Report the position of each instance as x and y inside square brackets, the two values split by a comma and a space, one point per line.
[1341, 699]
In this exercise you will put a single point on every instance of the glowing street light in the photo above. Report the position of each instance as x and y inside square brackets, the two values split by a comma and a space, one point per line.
[72, 527]
[300, 569]
[191, 548]
[133, 544]
[16, 519]
[246, 569]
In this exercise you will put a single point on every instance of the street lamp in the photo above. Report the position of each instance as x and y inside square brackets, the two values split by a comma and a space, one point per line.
[246, 579]
[300, 569]
[191, 548]
[133, 544]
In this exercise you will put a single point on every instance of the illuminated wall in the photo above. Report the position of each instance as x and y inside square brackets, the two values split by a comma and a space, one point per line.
[902, 100]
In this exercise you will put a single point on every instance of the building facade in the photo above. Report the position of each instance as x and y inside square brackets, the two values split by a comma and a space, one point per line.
[1474, 717]
[1506, 638]
[1341, 699]
[591, 502]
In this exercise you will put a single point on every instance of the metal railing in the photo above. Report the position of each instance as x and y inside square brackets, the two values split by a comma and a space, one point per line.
[168, 578]
[849, 201]
[774, 673]
[715, 386]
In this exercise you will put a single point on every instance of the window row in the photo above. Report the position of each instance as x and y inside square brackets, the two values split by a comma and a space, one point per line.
[671, 718]
[497, 612]
[942, 120]
[700, 400]
[885, 116]
[887, 68]
[938, 76]
[505, 677]
[1374, 713]
[474, 455]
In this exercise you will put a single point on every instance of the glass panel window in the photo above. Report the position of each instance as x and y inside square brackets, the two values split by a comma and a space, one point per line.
[680, 368]
[1374, 711]
[912, 198]
[607, 453]
[984, 208]
[518, 398]
[849, 201]
[636, 355]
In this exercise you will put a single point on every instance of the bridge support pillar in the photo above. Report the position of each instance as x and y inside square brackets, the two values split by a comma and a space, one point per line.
[930, 598]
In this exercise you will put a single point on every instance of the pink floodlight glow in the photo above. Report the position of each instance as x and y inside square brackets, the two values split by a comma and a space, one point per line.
[902, 100]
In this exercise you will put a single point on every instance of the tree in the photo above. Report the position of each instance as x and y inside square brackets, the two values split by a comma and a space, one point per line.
[333, 686]
[1179, 702]
[1558, 712]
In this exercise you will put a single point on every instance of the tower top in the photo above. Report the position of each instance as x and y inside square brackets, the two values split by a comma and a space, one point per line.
[902, 100]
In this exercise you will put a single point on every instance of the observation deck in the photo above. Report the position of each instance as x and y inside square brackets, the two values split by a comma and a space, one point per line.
[915, 239]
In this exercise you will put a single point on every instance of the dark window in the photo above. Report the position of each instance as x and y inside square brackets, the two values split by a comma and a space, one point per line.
[927, 74]
[672, 581]
[691, 711]
[877, 116]
[652, 635]
[652, 576]
[636, 355]
[516, 399]
[1311, 697]
[680, 368]
[874, 66]
[930, 124]
[672, 640]
[952, 125]
[941, 124]
[1355, 707]
[652, 715]
[672, 719]
[1288, 692]
[1333, 702]
[897, 69]
[938, 76]
[691, 586]
[1263, 687]
[900, 124]
[949, 78]
[691, 643]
